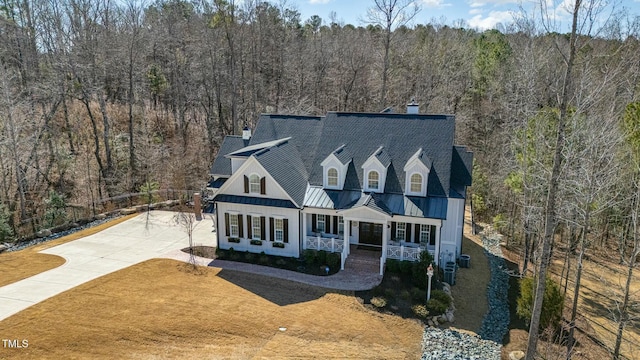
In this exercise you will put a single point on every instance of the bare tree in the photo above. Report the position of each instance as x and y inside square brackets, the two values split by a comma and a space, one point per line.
[187, 220]
[389, 15]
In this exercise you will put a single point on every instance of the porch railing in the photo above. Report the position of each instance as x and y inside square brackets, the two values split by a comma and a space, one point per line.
[405, 253]
[324, 243]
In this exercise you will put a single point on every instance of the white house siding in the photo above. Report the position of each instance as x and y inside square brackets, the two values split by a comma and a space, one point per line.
[235, 185]
[451, 234]
[291, 249]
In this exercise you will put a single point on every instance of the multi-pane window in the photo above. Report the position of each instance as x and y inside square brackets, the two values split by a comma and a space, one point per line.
[278, 230]
[374, 180]
[416, 183]
[401, 231]
[425, 231]
[340, 225]
[320, 223]
[255, 228]
[254, 184]
[233, 226]
[332, 177]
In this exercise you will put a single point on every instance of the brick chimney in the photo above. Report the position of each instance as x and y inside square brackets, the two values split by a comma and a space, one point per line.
[197, 205]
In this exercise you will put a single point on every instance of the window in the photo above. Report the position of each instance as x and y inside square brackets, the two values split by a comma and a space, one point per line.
[320, 222]
[340, 225]
[254, 183]
[278, 230]
[416, 183]
[374, 179]
[401, 231]
[425, 231]
[256, 229]
[233, 226]
[332, 177]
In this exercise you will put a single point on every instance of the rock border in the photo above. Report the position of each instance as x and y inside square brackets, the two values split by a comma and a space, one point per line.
[495, 324]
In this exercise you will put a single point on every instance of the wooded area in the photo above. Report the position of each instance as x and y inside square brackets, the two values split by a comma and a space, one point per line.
[100, 98]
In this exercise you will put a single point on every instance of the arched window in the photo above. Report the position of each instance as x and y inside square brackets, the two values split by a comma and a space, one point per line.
[416, 183]
[374, 180]
[332, 177]
[254, 183]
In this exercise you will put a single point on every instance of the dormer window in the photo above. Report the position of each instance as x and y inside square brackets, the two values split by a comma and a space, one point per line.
[373, 180]
[332, 177]
[417, 171]
[416, 183]
[255, 184]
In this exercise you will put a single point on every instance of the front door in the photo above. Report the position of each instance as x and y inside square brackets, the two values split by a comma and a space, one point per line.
[370, 234]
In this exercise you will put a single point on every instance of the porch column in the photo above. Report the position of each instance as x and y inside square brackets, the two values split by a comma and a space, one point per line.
[347, 234]
[436, 255]
[385, 242]
[304, 231]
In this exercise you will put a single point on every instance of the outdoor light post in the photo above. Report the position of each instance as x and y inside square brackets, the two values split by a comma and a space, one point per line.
[429, 275]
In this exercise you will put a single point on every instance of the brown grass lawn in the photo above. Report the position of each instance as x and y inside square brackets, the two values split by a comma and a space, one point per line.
[159, 309]
[19, 265]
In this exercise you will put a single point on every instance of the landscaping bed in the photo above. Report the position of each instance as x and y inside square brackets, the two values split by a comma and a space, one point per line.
[312, 262]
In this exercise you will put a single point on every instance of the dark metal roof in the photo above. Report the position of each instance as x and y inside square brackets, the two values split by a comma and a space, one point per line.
[216, 184]
[247, 200]
[461, 167]
[330, 199]
[342, 154]
[284, 164]
[222, 165]
[373, 201]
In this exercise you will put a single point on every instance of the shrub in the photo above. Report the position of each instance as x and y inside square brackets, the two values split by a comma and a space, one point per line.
[406, 267]
[379, 302]
[418, 295]
[281, 263]
[420, 310]
[405, 295]
[333, 260]
[309, 256]
[233, 255]
[393, 266]
[389, 293]
[322, 257]
[250, 257]
[221, 254]
[500, 223]
[442, 297]
[263, 259]
[419, 270]
[436, 306]
[378, 291]
[551, 305]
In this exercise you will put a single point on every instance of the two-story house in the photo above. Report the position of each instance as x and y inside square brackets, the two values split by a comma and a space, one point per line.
[395, 183]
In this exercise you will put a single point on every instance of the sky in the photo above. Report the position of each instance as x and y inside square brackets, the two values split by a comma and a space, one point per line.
[477, 14]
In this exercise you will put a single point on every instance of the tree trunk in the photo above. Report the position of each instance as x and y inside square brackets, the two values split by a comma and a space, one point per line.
[550, 209]
[576, 289]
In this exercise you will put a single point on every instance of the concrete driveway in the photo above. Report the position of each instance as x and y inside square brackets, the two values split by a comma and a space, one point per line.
[110, 250]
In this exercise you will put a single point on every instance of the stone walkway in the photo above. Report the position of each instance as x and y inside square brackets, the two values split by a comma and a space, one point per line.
[352, 278]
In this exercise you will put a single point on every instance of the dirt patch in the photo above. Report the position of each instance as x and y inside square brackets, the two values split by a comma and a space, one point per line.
[157, 310]
[207, 252]
[19, 265]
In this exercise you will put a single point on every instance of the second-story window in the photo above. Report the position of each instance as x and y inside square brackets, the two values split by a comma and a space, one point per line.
[254, 184]
[332, 177]
[373, 180]
[416, 183]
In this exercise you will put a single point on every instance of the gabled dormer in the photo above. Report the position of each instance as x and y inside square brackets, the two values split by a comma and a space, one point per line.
[238, 157]
[334, 168]
[416, 172]
[375, 171]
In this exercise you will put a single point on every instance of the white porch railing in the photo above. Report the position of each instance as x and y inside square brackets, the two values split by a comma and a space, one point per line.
[324, 243]
[405, 253]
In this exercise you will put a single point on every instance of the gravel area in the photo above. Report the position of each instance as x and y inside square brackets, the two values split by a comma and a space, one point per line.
[453, 345]
[495, 324]
[487, 345]
[36, 241]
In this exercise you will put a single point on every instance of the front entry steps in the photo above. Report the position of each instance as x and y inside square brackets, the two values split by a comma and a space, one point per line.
[363, 261]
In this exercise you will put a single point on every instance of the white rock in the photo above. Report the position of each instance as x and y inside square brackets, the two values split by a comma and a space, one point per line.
[516, 355]
[43, 233]
[449, 316]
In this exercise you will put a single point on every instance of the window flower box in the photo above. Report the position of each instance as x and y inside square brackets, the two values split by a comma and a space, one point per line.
[256, 242]
[278, 245]
[234, 240]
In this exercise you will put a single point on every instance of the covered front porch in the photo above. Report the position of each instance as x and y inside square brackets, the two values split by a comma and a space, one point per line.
[393, 237]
